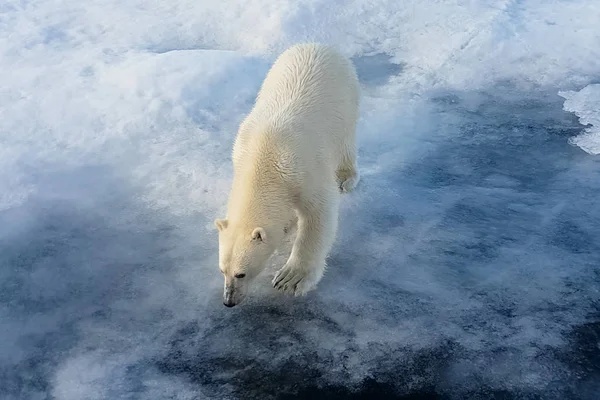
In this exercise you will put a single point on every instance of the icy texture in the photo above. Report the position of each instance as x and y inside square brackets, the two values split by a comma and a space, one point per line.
[467, 260]
[586, 105]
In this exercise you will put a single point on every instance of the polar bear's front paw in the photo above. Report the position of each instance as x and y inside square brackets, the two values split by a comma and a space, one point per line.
[348, 180]
[293, 279]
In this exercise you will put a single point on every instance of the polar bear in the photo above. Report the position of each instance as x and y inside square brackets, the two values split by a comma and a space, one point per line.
[293, 156]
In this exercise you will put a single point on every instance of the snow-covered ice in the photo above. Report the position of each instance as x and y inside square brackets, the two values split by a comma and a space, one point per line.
[466, 265]
[586, 105]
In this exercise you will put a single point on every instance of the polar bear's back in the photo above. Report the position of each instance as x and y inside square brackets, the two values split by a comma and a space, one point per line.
[304, 118]
[312, 73]
[311, 83]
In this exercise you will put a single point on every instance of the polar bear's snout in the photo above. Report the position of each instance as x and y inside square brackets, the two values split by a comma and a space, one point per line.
[229, 297]
[233, 293]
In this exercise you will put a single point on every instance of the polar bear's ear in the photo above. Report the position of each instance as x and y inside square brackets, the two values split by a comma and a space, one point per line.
[259, 234]
[221, 224]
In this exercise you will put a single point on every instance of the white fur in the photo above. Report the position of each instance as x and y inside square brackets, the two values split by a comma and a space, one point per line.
[293, 155]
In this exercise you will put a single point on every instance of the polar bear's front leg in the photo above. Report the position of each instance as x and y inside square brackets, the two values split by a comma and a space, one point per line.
[317, 227]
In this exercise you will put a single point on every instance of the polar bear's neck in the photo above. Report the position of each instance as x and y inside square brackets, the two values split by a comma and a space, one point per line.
[259, 197]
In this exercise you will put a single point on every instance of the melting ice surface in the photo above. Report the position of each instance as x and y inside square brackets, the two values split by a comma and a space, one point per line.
[466, 265]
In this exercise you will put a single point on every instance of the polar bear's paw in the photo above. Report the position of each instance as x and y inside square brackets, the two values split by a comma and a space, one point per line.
[348, 180]
[293, 279]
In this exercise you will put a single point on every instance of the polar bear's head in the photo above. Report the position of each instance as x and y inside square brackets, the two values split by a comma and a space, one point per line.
[243, 253]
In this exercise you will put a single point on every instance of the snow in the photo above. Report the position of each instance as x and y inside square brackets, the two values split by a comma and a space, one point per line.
[585, 104]
[466, 263]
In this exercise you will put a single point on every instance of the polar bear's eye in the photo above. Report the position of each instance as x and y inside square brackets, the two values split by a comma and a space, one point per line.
[240, 276]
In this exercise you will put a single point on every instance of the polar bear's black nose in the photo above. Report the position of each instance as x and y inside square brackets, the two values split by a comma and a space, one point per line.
[228, 303]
